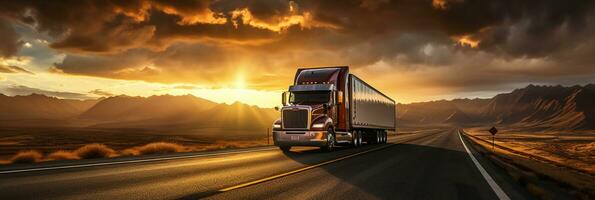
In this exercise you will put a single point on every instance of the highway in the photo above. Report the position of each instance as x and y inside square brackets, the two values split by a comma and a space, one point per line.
[430, 164]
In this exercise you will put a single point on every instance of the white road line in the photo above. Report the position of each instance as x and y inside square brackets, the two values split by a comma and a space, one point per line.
[129, 161]
[486, 176]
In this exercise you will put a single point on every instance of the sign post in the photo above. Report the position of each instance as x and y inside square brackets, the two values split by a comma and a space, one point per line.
[493, 131]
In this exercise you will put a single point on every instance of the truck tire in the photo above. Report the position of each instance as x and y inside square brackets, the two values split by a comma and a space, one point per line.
[357, 138]
[330, 141]
[285, 148]
[378, 137]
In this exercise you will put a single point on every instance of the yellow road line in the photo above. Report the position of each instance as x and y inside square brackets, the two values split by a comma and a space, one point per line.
[301, 169]
[316, 165]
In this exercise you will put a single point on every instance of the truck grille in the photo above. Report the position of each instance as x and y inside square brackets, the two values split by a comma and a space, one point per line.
[295, 118]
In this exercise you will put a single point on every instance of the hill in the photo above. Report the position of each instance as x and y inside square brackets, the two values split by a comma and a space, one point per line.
[178, 112]
[36, 109]
[126, 108]
[540, 107]
[154, 113]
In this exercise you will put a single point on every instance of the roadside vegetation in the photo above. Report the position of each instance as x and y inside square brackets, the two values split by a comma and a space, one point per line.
[30, 156]
[563, 158]
[97, 150]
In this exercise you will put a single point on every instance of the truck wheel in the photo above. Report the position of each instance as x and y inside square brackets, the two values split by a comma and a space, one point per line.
[285, 148]
[330, 140]
[354, 139]
[359, 138]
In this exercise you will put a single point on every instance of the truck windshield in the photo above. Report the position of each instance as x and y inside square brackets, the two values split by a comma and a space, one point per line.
[307, 98]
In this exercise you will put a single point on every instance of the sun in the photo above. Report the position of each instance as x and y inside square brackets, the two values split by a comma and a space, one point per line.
[240, 82]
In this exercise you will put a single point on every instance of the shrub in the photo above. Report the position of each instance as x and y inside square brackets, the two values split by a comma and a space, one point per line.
[94, 150]
[63, 155]
[160, 148]
[130, 152]
[30, 156]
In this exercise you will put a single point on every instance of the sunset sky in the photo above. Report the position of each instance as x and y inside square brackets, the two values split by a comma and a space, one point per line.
[248, 51]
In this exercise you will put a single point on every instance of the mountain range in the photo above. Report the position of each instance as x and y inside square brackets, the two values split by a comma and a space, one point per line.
[538, 107]
[154, 112]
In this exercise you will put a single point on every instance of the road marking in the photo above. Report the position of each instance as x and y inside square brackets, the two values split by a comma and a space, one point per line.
[301, 169]
[499, 192]
[131, 161]
[407, 139]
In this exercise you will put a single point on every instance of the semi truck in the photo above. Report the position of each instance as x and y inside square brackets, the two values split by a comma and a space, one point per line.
[327, 106]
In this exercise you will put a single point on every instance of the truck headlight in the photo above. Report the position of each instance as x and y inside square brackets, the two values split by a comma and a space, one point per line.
[276, 125]
[318, 126]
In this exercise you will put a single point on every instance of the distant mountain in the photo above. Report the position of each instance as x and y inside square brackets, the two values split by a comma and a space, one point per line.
[38, 107]
[155, 113]
[541, 107]
[177, 112]
[126, 108]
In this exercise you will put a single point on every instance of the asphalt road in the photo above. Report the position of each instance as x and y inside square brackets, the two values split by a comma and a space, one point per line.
[430, 164]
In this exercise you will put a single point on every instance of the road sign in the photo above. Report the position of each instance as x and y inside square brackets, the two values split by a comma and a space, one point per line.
[493, 130]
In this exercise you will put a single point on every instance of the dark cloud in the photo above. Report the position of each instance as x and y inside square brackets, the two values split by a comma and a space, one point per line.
[110, 65]
[9, 39]
[24, 90]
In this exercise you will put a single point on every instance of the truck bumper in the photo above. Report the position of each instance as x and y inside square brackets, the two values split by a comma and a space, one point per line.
[299, 138]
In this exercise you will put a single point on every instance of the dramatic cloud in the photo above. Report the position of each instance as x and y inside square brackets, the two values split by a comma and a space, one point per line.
[9, 39]
[436, 45]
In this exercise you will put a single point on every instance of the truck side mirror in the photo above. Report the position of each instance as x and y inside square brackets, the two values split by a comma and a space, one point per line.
[284, 98]
[339, 97]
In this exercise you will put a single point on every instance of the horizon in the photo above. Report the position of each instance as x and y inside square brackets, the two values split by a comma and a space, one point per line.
[260, 106]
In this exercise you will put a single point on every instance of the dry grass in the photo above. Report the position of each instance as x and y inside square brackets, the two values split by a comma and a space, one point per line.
[161, 148]
[130, 152]
[534, 160]
[95, 150]
[571, 149]
[98, 150]
[62, 155]
[30, 156]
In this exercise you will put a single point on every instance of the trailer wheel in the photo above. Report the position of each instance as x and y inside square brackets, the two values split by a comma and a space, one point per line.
[360, 138]
[285, 148]
[330, 140]
[354, 139]
[378, 137]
